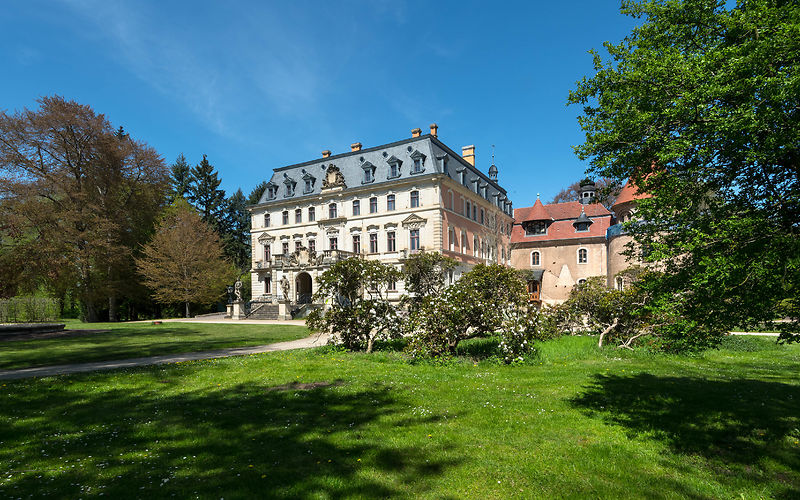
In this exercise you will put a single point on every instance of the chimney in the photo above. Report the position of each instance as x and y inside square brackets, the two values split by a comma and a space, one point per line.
[468, 153]
[356, 146]
[416, 132]
[434, 129]
[326, 153]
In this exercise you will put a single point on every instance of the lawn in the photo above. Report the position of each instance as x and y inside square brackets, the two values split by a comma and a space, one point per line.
[133, 340]
[577, 423]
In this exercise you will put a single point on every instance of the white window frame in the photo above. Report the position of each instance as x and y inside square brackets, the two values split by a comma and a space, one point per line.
[578, 255]
[538, 255]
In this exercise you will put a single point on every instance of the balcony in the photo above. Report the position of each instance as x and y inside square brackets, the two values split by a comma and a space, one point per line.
[330, 256]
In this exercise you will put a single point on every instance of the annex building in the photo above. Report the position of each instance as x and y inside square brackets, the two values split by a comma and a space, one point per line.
[563, 244]
[385, 203]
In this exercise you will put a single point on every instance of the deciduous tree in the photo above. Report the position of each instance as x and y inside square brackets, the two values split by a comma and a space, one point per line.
[700, 107]
[184, 262]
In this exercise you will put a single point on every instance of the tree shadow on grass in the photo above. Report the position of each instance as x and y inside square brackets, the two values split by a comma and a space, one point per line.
[744, 427]
[320, 439]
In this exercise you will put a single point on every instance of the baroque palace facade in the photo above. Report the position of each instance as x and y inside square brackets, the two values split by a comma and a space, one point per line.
[384, 203]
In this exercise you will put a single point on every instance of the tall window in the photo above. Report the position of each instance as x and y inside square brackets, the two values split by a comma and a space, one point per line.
[451, 234]
[463, 242]
[297, 245]
[467, 211]
[333, 242]
[373, 242]
[356, 207]
[309, 186]
[312, 246]
[452, 202]
[620, 283]
[394, 170]
[390, 243]
[536, 259]
[267, 285]
[356, 243]
[414, 235]
[298, 216]
[285, 217]
[483, 216]
[475, 245]
[368, 175]
[267, 252]
[285, 248]
[266, 220]
[332, 211]
[415, 199]
[583, 256]
[373, 205]
[474, 213]
[390, 202]
[417, 165]
[312, 214]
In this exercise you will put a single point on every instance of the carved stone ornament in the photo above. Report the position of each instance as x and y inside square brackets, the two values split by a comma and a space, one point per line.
[285, 287]
[414, 221]
[333, 178]
[237, 290]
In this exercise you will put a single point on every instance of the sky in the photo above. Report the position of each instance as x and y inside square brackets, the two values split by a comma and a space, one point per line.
[257, 85]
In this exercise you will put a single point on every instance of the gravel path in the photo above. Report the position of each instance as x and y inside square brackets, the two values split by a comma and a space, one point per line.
[47, 371]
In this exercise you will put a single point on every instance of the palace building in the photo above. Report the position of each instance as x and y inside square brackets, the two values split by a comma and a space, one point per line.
[385, 203]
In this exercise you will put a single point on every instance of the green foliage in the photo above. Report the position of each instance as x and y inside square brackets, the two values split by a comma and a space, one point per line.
[359, 311]
[479, 304]
[28, 309]
[205, 195]
[236, 231]
[425, 274]
[699, 107]
[180, 178]
[256, 193]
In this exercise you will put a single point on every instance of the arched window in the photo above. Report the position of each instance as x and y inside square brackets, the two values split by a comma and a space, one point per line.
[581, 281]
[285, 217]
[390, 202]
[583, 256]
[414, 199]
[332, 211]
[536, 259]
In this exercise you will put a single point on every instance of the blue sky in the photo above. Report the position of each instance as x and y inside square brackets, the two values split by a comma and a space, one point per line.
[258, 85]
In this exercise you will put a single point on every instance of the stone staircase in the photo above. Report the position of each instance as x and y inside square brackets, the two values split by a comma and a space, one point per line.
[263, 311]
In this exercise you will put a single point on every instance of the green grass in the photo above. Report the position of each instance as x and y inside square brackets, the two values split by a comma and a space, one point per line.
[133, 340]
[574, 423]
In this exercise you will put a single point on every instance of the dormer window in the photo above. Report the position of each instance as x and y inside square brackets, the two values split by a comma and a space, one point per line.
[419, 162]
[290, 184]
[272, 191]
[394, 167]
[581, 227]
[308, 180]
[369, 173]
[535, 228]
[582, 223]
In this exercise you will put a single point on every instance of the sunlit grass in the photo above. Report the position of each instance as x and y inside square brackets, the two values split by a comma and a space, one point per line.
[577, 422]
[133, 340]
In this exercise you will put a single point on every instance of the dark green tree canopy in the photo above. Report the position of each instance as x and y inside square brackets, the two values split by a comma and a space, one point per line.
[700, 106]
[180, 178]
[204, 193]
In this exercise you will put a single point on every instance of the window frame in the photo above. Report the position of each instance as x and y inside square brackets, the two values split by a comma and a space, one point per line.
[583, 255]
[536, 258]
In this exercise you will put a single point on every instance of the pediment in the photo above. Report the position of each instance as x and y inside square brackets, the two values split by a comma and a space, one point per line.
[266, 237]
[414, 221]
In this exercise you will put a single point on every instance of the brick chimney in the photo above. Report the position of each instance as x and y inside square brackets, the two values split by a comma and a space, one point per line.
[416, 132]
[434, 129]
[356, 146]
[468, 153]
[326, 153]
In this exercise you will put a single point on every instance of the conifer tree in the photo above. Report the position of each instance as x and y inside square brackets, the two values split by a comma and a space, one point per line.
[236, 237]
[255, 194]
[205, 195]
[180, 178]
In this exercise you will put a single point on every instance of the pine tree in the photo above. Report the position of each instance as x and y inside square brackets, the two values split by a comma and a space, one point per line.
[255, 194]
[180, 178]
[236, 237]
[205, 195]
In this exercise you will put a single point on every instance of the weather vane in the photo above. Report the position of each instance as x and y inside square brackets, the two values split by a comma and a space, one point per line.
[492, 154]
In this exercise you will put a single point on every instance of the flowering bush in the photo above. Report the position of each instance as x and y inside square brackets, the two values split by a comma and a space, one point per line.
[521, 328]
[358, 311]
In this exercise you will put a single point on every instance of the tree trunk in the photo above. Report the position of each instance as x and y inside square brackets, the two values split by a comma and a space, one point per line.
[91, 311]
[370, 341]
[607, 330]
[187, 309]
[112, 308]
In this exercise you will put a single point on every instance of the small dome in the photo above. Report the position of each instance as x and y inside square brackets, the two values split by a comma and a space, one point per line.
[493, 172]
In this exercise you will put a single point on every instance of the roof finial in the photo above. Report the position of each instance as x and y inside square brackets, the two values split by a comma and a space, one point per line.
[537, 196]
[492, 154]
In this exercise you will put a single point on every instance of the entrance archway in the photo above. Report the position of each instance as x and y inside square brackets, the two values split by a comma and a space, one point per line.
[303, 288]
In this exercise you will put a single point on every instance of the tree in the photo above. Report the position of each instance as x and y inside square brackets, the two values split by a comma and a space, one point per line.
[184, 261]
[77, 198]
[606, 194]
[236, 236]
[360, 311]
[205, 195]
[425, 274]
[699, 107]
[180, 178]
[255, 194]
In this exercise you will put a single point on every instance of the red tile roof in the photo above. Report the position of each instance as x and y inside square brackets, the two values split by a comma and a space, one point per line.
[629, 193]
[562, 215]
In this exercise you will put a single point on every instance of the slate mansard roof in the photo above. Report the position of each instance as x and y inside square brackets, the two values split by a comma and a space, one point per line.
[436, 158]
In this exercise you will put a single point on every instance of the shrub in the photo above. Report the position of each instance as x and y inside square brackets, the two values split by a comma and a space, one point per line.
[27, 309]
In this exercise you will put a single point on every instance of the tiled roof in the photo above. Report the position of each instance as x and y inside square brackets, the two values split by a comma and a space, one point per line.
[629, 193]
[563, 215]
